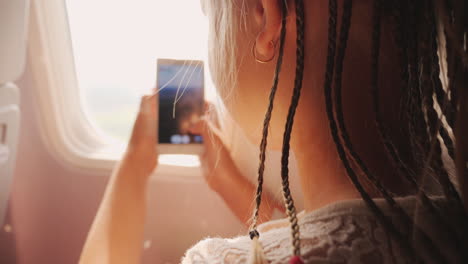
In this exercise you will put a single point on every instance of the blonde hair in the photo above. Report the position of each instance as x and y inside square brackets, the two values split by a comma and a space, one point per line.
[227, 20]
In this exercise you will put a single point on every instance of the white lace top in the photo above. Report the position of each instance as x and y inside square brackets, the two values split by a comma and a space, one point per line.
[343, 232]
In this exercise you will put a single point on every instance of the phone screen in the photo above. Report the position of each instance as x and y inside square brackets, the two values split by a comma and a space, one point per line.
[181, 100]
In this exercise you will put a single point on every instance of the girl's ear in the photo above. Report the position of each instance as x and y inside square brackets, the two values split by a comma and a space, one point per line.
[268, 17]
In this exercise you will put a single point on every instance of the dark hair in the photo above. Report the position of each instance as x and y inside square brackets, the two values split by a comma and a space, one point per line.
[422, 30]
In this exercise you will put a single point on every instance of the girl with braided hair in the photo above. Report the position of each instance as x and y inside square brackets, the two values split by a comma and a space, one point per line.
[370, 95]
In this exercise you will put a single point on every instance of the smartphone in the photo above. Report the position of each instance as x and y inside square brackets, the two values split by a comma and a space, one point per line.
[181, 86]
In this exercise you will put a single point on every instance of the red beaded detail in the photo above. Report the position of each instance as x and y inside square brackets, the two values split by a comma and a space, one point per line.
[296, 260]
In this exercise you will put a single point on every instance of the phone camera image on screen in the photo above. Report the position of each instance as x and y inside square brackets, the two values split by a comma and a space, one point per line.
[181, 100]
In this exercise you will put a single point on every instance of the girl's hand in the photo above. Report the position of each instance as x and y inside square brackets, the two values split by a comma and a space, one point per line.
[217, 163]
[226, 179]
[142, 148]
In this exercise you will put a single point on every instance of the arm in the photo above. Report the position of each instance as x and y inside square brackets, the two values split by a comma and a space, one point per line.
[223, 177]
[116, 234]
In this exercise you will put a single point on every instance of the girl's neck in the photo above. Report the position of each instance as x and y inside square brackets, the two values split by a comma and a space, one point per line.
[322, 175]
[323, 178]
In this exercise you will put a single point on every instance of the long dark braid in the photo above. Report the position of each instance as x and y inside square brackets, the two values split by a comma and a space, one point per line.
[289, 202]
[345, 26]
[390, 148]
[447, 141]
[436, 127]
[291, 210]
[420, 77]
[452, 67]
[266, 124]
[458, 83]
[437, 86]
[435, 123]
[448, 109]
[381, 127]
[329, 108]
[393, 153]
[329, 104]
[422, 105]
[417, 124]
[403, 16]
[406, 221]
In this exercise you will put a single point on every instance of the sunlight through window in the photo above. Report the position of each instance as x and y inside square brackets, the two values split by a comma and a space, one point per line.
[116, 45]
[179, 160]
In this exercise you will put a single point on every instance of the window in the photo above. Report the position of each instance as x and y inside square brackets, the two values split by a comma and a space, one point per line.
[92, 60]
[115, 47]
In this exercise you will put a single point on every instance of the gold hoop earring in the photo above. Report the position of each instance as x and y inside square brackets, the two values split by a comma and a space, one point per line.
[254, 53]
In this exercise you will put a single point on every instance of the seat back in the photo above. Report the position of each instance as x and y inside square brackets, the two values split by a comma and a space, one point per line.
[13, 30]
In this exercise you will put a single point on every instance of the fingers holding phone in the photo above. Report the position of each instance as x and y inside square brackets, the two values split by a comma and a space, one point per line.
[216, 161]
[142, 145]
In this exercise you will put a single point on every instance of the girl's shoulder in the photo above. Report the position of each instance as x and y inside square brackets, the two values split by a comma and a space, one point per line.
[218, 250]
[343, 232]
[336, 233]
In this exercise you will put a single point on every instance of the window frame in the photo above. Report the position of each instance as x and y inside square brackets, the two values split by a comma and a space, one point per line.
[68, 133]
